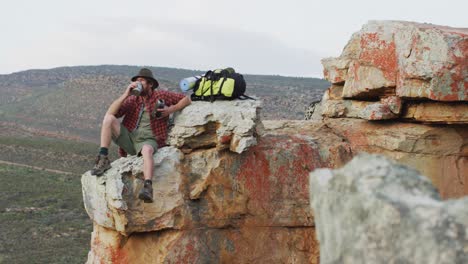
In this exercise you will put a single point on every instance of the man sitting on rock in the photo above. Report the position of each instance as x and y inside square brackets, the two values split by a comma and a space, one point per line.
[143, 128]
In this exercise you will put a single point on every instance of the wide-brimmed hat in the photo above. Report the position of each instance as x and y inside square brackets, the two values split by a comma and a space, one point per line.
[146, 73]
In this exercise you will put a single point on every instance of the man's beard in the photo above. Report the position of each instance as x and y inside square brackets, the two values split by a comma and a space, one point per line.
[144, 92]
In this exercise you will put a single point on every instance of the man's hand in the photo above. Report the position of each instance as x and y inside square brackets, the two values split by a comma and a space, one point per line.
[130, 87]
[114, 107]
[166, 111]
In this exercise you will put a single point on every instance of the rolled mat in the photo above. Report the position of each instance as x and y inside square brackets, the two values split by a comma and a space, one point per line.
[188, 83]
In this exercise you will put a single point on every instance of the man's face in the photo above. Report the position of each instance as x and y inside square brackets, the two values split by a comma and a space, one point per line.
[147, 86]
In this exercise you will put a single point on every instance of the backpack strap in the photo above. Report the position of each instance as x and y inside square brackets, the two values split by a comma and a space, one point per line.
[211, 91]
[246, 97]
[202, 85]
[225, 76]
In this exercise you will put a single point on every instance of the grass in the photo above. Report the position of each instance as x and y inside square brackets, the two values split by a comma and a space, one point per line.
[50, 144]
[42, 219]
[51, 153]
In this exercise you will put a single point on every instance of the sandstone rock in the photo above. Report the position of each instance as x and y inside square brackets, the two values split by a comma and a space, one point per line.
[376, 211]
[396, 65]
[335, 92]
[239, 200]
[366, 82]
[435, 112]
[387, 108]
[221, 124]
[335, 70]
[215, 204]
[267, 185]
[112, 199]
[417, 60]
[244, 245]
[432, 62]
[438, 152]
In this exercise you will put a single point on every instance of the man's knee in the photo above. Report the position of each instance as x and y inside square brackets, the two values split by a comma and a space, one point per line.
[109, 119]
[147, 150]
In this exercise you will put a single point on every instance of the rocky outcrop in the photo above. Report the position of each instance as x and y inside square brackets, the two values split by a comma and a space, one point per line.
[231, 188]
[215, 204]
[225, 124]
[396, 74]
[400, 70]
[438, 152]
[376, 211]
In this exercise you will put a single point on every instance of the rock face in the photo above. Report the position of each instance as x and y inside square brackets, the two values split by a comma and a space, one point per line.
[396, 74]
[376, 211]
[438, 152]
[231, 188]
[214, 205]
[400, 70]
[225, 124]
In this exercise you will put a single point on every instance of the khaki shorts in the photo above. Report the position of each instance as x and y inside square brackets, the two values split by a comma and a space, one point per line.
[127, 141]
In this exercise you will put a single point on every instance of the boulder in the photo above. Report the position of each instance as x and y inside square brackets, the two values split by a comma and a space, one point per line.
[396, 65]
[221, 124]
[374, 210]
[112, 200]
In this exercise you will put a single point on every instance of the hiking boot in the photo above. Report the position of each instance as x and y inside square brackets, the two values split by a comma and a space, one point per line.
[102, 164]
[146, 194]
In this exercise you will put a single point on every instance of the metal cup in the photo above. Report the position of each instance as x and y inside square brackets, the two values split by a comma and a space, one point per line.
[137, 90]
[160, 105]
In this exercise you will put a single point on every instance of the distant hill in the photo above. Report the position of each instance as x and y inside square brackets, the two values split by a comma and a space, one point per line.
[73, 100]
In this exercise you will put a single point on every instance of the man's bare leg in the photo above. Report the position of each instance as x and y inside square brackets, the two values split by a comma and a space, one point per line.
[146, 194]
[148, 163]
[110, 126]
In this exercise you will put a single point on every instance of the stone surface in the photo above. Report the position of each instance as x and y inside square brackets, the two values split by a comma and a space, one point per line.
[398, 66]
[335, 69]
[256, 201]
[228, 245]
[224, 124]
[436, 112]
[418, 60]
[214, 203]
[386, 108]
[439, 152]
[376, 211]
[112, 199]
[366, 81]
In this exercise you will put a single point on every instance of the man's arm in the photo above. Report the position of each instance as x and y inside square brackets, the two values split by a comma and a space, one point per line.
[182, 103]
[115, 106]
[174, 108]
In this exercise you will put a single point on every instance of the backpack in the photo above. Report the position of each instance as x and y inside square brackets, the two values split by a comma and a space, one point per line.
[220, 84]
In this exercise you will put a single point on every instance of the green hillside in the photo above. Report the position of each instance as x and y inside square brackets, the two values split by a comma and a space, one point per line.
[42, 219]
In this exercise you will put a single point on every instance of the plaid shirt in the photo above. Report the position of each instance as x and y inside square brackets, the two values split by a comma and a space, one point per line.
[131, 108]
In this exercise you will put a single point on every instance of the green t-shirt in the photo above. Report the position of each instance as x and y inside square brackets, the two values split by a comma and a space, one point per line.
[143, 132]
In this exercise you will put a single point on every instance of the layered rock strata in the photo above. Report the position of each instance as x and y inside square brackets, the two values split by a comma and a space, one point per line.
[383, 212]
[213, 205]
[225, 124]
[400, 70]
[392, 75]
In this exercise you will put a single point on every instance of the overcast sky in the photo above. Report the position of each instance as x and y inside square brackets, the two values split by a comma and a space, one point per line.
[253, 36]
